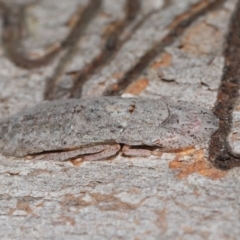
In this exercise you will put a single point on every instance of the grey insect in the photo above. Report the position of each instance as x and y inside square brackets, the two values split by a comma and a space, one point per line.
[93, 129]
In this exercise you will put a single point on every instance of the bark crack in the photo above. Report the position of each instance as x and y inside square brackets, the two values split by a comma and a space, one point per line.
[71, 42]
[176, 29]
[112, 45]
[228, 94]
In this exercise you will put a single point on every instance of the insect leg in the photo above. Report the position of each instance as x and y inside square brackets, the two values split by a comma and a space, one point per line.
[108, 151]
[86, 153]
[139, 152]
[133, 152]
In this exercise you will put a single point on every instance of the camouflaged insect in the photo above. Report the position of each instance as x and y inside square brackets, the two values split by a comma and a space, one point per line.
[93, 129]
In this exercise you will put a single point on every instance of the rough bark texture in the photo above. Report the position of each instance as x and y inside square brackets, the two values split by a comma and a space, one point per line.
[182, 50]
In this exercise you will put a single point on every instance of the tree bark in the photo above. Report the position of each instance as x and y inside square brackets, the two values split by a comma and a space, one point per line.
[180, 50]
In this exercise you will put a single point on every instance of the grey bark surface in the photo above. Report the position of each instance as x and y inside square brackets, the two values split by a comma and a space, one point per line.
[174, 49]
